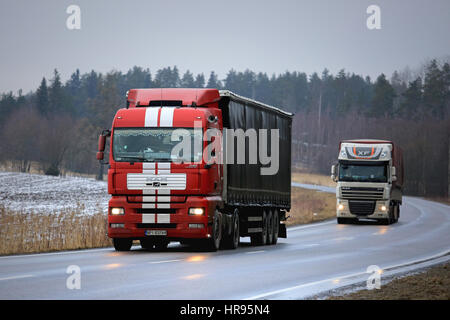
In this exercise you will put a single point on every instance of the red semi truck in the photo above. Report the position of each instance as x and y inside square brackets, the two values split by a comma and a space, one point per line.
[158, 196]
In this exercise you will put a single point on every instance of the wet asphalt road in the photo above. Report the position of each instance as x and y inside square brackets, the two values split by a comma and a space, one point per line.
[310, 254]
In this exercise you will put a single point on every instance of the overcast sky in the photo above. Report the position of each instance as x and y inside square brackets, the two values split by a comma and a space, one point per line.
[203, 35]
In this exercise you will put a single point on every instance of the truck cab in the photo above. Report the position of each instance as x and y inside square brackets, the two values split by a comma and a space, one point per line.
[369, 176]
[159, 196]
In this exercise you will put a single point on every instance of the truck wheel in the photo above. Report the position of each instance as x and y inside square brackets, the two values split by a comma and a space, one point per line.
[213, 243]
[161, 245]
[122, 244]
[276, 226]
[342, 220]
[231, 241]
[396, 212]
[390, 217]
[147, 244]
[269, 227]
[259, 239]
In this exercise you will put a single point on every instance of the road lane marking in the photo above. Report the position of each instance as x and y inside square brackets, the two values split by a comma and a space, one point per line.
[17, 277]
[301, 286]
[343, 238]
[311, 245]
[253, 252]
[354, 275]
[164, 261]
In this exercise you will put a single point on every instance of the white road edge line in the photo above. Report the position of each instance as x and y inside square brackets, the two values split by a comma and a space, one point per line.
[435, 256]
[318, 224]
[55, 253]
[17, 277]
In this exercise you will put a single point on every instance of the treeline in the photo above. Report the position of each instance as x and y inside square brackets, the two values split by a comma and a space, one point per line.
[57, 125]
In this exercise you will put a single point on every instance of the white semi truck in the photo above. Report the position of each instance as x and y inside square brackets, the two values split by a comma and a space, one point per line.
[369, 177]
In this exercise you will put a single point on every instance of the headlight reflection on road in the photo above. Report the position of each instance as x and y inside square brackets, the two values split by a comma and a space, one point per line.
[194, 276]
[382, 231]
[197, 258]
[112, 266]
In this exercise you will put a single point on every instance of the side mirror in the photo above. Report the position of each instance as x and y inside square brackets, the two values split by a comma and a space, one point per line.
[393, 174]
[102, 143]
[333, 172]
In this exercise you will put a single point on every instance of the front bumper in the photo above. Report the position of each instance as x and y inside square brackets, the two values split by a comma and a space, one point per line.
[139, 218]
[343, 210]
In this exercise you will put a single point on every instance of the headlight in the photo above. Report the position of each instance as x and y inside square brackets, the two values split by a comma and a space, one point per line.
[383, 208]
[196, 211]
[340, 207]
[117, 211]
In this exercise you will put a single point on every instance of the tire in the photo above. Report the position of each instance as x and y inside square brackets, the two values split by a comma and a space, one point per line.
[231, 241]
[259, 239]
[147, 244]
[122, 244]
[389, 220]
[269, 227]
[161, 245]
[276, 225]
[213, 243]
[342, 220]
[396, 213]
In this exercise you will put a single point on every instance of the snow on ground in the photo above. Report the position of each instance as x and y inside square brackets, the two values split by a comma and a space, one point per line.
[34, 193]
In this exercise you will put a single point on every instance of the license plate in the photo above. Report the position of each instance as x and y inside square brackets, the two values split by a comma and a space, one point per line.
[156, 232]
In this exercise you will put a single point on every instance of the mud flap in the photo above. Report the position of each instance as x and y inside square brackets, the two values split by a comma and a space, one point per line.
[282, 232]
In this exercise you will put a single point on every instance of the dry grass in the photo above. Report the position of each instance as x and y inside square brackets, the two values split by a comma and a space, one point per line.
[36, 168]
[67, 230]
[22, 232]
[312, 178]
[434, 284]
[310, 206]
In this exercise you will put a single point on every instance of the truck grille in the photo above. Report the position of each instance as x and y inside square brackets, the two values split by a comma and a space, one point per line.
[361, 208]
[362, 193]
[144, 181]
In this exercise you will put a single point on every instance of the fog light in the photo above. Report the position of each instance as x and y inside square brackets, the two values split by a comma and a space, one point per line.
[341, 207]
[117, 225]
[117, 211]
[196, 225]
[383, 208]
[196, 211]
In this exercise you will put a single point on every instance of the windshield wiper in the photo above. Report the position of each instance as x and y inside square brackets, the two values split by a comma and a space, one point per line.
[162, 159]
[134, 158]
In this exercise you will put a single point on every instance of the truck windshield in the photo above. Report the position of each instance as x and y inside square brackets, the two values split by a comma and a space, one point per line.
[363, 172]
[153, 144]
